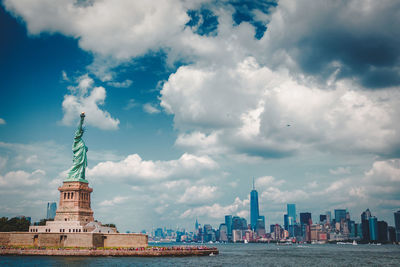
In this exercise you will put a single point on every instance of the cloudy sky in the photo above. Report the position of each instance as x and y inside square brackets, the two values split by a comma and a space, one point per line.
[188, 101]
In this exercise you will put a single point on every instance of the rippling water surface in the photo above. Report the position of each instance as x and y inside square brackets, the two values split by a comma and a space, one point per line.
[240, 255]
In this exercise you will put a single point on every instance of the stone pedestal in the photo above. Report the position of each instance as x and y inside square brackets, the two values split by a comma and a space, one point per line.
[74, 202]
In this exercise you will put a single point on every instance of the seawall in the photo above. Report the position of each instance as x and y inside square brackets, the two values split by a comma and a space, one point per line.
[142, 252]
[87, 240]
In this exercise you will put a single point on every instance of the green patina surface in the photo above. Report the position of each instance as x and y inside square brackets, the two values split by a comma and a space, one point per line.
[77, 171]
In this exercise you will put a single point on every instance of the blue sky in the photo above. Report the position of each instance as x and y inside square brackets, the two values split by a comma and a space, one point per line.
[187, 102]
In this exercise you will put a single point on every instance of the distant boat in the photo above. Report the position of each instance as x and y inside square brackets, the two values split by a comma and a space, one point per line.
[355, 243]
[245, 241]
[344, 243]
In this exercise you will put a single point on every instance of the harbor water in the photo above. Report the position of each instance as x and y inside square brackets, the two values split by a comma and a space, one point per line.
[239, 255]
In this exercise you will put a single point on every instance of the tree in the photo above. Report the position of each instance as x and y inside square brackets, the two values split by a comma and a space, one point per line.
[16, 224]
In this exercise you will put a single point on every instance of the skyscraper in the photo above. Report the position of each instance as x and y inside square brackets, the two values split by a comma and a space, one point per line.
[373, 229]
[239, 223]
[365, 216]
[228, 223]
[260, 227]
[291, 212]
[340, 214]
[223, 232]
[397, 225]
[305, 218]
[51, 210]
[382, 231]
[254, 212]
[286, 222]
[328, 217]
[291, 217]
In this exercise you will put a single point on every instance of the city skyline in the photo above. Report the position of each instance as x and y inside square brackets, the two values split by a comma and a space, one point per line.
[182, 116]
[342, 228]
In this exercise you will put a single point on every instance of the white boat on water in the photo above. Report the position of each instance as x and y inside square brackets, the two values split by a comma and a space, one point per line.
[355, 243]
[245, 241]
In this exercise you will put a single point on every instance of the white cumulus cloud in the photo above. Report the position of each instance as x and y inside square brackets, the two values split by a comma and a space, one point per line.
[198, 194]
[115, 201]
[86, 98]
[262, 112]
[217, 211]
[150, 108]
[21, 178]
[133, 167]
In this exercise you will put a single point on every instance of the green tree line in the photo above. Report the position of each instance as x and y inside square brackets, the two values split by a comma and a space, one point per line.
[14, 224]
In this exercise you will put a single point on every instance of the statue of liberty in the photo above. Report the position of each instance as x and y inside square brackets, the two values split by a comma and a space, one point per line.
[77, 172]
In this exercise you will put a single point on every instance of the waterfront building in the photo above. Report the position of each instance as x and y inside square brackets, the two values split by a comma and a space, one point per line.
[382, 231]
[277, 232]
[223, 232]
[249, 236]
[352, 228]
[373, 229]
[254, 209]
[260, 227]
[305, 219]
[51, 210]
[397, 225]
[316, 233]
[365, 216]
[237, 235]
[359, 231]
[285, 234]
[392, 234]
[208, 233]
[272, 228]
[228, 222]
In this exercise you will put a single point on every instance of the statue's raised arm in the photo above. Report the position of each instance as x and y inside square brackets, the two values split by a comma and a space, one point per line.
[80, 128]
[77, 171]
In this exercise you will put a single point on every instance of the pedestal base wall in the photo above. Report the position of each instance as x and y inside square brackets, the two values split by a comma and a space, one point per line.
[87, 240]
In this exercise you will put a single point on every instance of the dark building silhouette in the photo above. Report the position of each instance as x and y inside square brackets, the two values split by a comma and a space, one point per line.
[305, 218]
[397, 225]
[392, 234]
[382, 231]
[365, 225]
